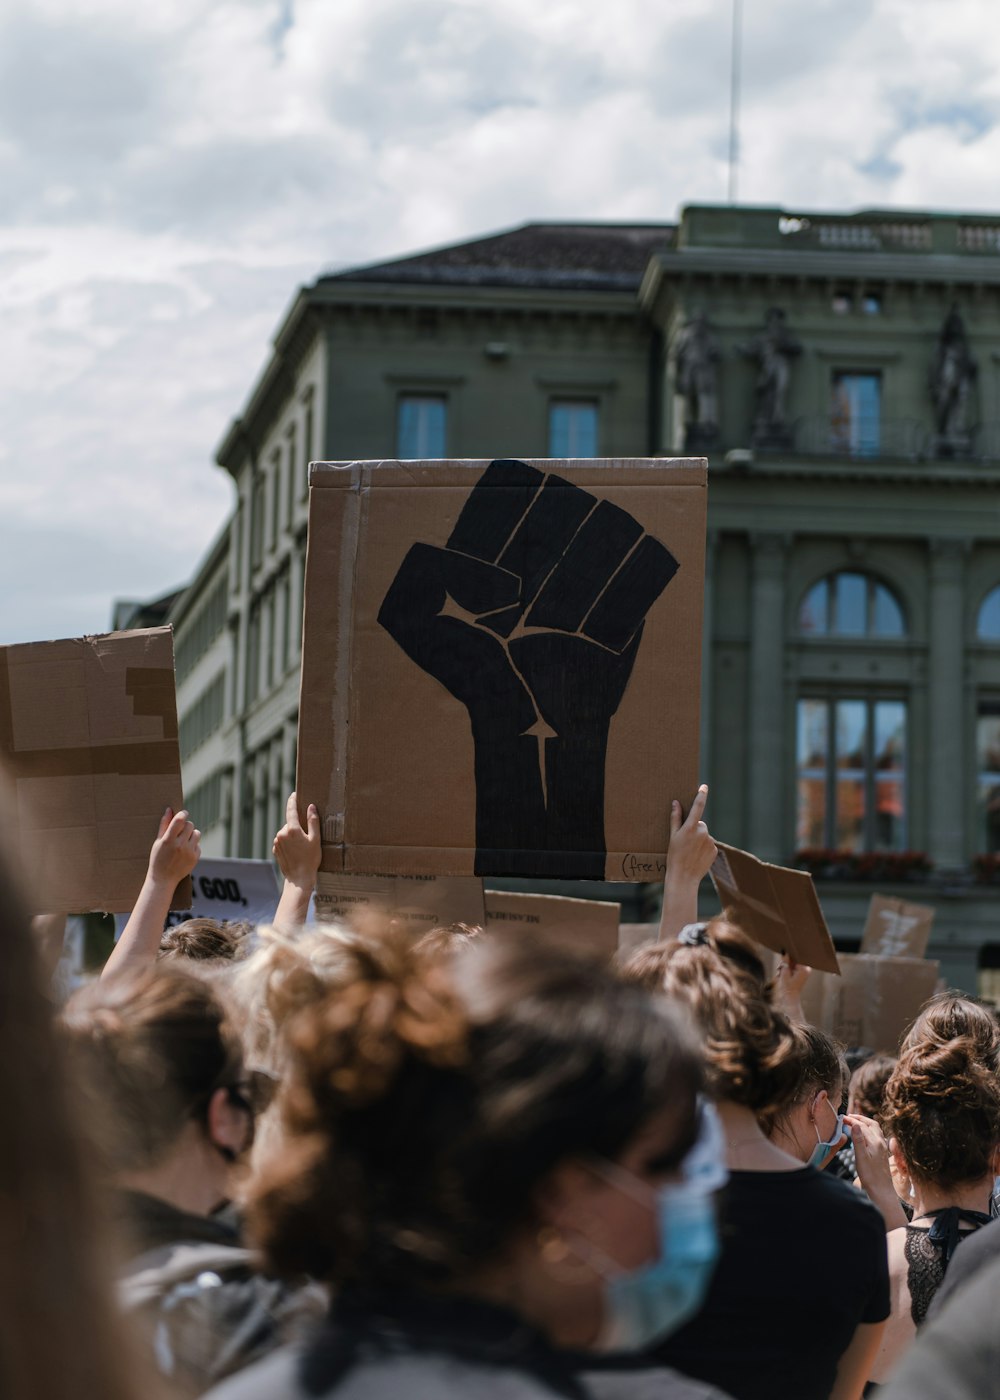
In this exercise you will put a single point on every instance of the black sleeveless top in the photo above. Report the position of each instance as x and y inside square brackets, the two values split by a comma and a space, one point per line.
[928, 1253]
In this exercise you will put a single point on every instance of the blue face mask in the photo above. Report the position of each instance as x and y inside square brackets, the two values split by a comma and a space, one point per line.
[823, 1149]
[647, 1304]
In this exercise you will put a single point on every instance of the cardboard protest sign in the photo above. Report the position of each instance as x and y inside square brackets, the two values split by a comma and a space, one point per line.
[873, 1002]
[590, 925]
[234, 891]
[896, 928]
[421, 902]
[775, 906]
[632, 936]
[501, 664]
[88, 734]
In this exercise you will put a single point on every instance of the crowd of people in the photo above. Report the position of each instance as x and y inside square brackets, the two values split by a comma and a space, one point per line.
[299, 1161]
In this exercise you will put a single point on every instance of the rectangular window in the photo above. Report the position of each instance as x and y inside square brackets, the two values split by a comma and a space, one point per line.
[286, 619]
[988, 776]
[572, 428]
[308, 453]
[274, 517]
[851, 774]
[421, 426]
[294, 467]
[258, 502]
[203, 718]
[856, 413]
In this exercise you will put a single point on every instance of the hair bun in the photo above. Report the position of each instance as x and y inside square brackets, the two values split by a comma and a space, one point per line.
[397, 1006]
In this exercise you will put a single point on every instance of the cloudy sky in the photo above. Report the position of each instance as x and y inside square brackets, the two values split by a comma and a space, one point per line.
[171, 170]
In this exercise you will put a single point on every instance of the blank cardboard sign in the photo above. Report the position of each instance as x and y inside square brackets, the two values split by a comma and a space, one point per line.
[590, 925]
[896, 928]
[501, 664]
[420, 902]
[632, 936]
[777, 907]
[874, 1001]
[88, 734]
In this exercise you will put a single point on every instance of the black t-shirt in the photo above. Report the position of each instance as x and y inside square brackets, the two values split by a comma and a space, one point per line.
[803, 1263]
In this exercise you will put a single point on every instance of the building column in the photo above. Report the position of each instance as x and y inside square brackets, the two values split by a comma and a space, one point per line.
[277, 796]
[946, 664]
[707, 638]
[766, 776]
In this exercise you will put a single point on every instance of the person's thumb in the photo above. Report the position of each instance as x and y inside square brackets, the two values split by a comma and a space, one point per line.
[676, 817]
[165, 821]
[312, 817]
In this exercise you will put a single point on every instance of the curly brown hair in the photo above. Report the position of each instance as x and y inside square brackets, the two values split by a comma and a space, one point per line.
[428, 1100]
[949, 1016]
[750, 1050]
[866, 1093]
[942, 1105]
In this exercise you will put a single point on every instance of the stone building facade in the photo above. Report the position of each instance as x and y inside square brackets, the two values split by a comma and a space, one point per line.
[842, 375]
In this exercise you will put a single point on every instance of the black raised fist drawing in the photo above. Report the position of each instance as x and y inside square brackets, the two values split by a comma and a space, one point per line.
[532, 616]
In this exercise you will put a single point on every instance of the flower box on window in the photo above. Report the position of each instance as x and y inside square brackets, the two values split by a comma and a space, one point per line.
[889, 867]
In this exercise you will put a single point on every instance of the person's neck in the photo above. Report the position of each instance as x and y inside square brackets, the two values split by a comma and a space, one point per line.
[747, 1147]
[973, 1196]
[181, 1179]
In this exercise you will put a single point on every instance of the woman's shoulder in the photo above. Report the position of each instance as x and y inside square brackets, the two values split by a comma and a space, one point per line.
[655, 1383]
[415, 1375]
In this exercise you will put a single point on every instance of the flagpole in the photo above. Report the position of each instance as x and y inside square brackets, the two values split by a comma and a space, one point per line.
[734, 98]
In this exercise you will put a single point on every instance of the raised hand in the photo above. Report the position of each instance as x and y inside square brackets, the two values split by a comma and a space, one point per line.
[532, 616]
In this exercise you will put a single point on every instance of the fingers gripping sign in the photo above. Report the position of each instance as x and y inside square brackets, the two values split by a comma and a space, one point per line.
[532, 616]
[298, 848]
[176, 850]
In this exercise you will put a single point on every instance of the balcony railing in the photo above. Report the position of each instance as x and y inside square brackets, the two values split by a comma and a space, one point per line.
[873, 439]
[863, 438]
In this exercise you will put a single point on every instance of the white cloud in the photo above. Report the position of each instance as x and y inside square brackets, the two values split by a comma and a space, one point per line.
[172, 170]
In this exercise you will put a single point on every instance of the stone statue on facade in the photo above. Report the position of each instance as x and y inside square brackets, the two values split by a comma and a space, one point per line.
[953, 373]
[773, 349]
[696, 358]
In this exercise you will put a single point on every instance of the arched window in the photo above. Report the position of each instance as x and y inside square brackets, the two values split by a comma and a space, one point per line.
[850, 604]
[988, 621]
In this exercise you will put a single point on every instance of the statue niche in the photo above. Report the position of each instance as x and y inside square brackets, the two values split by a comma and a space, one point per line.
[774, 349]
[953, 373]
[696, 379]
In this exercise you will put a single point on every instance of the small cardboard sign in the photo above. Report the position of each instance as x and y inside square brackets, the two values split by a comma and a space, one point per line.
[632, 936]
[489, 649]
[777, 907]
[88, 736]
[895, 928]
[224, 888]
[587, 924]
[873, 1002]
[420, 902]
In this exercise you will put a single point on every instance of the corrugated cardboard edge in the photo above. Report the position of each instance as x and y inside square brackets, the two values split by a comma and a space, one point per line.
[349, 479]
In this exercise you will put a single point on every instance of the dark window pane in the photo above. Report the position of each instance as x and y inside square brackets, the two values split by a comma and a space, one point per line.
[887, 616]
[988, 776]
[988, 625]
[813, 613]
[813, 747]
[856, 413]
[890, 775]
[850, 618]
[572, 428]
[421, 427]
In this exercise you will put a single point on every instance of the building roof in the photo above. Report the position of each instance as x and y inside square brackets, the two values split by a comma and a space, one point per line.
[585, 256]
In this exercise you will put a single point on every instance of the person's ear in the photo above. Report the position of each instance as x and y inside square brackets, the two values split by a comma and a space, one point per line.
[226, 1124]
[565, 1194]
[818, 1100]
